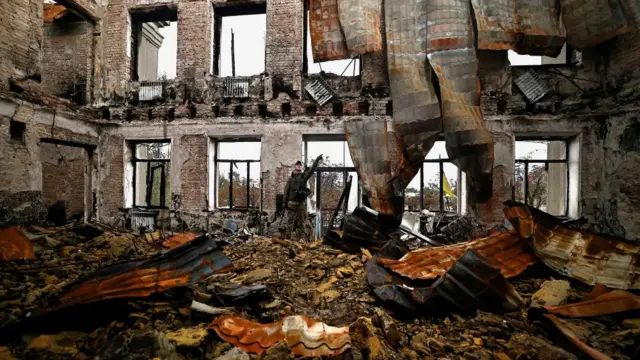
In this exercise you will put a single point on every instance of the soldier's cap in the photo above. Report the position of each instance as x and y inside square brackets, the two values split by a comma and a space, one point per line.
[298, 162]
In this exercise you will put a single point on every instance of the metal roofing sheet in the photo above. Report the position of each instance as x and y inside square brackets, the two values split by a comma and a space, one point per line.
[327, 40]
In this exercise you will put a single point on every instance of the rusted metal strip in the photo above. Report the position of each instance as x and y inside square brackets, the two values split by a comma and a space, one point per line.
[472, 283]
[416, 110]
[15, 245]
[593, 22]
[610, 303]
[181, 266]
[305, 336]
[452, 55]
[539, 28]
[369, 146]
[507, 251]
[582, 255]
[497, 24]
[569, 334]
[327, 40]
[360, 22]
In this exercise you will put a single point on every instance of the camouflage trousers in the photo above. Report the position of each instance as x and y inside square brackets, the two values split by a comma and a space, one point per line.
[297, 221]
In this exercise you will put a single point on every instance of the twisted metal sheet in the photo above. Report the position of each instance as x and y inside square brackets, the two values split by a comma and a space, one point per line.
[590, 23]
[452, 54]
[497, 24]
[539, 26]
[360, 22]
[416, 110]
[327, 40]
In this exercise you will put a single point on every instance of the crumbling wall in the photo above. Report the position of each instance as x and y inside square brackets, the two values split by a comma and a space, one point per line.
[195, 22]
[24, 19]
[284, 43]
[63, 176]
[116, 61]
[193, 173]
[65, 54]
[111, 177]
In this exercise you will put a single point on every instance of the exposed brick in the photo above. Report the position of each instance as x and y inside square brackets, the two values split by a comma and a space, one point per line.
[193, 177]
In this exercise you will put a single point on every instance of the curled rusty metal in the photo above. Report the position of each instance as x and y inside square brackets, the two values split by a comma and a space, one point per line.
[506, 251]
[569, 334]
[371, 148]
[452, 54]
[416, 109]
[610, 303]
[497, 24]
[582, 255]
[15, 245]
[362, 230]
[527, 27]
[593, 22]
[327, 40]
[539, 28]
[471, 283]
[181, 266]
[360, 22]
[305, 336]
[53, 12]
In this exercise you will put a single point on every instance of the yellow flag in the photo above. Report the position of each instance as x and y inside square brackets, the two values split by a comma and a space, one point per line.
[447, 187]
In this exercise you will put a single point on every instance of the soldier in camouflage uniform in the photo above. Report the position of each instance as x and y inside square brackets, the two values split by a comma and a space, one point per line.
[295, 197]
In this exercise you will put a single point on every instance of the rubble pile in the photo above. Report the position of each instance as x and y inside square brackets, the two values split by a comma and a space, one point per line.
[245, 297]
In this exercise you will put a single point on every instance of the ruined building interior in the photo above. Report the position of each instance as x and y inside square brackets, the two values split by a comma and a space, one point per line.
[160, 135]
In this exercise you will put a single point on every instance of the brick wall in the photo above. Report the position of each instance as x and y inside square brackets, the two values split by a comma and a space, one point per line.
[625, 54]
[193, 176]
[63, 176]
[25, 19]
[111, 182]
[374, 65]
[64, 58]
[117, 71]
[195, 22]
[284, 38]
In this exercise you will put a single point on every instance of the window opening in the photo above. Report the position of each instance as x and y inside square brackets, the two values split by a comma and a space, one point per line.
[541, 174]
[331, 177]
[238, 173]
[345, 67]
[151, 177]
[154, 44]
[436, 186]
[239, 40]
[17, 130]
[564, 58]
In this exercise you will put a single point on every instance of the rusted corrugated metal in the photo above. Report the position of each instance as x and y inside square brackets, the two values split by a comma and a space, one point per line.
[582, 255]
[53, 12]
[360, 23]
[178, 239]
[15, 245]
[507, 251]
[593, 22]
[181, 266]
[305, 336]
[497, 24]
[472, 283]
[362, 230]
[610, 303]
[327, 40]
[416, 110]
[539, 28]
[452, 54]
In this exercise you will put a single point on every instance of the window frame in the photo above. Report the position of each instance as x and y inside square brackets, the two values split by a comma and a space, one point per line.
[221, 10]
[526, 162]
[217, 160]
[137, 17]
[135, 160]
[441, 202]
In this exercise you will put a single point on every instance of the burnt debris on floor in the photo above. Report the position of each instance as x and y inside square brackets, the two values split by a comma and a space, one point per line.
[217, 296]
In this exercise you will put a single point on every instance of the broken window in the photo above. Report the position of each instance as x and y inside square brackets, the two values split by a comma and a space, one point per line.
[239, 39]
[66, 48]
[17, 130]
[436, 187]
[153, 46]
[346, 67]
[566, 57]
[331, 176]
[238, 174]
[151, 175]
[541, 174]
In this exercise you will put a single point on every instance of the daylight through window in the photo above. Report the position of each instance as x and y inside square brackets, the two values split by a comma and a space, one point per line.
[541, 174]
[346, 67]
[436, 186]
[238, 174]
[151, 177]
[153, 45]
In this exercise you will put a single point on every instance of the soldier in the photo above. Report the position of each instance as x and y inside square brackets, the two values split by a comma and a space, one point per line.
[295, 196]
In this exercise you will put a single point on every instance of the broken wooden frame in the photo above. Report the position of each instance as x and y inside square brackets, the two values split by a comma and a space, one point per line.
[161, 164]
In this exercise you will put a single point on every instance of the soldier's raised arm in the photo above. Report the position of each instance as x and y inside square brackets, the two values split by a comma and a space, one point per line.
[309, 171]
